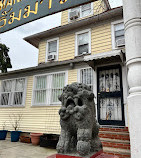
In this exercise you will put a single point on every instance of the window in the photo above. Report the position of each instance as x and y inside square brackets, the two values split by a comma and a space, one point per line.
[83, 11]
[47, 88]
[12, 92]
[86, 77]
[52, 49]
[118, 34]
[86, 9]
[83, 42]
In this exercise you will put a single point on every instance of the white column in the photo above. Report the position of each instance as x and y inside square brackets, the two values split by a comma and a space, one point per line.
[132, 20]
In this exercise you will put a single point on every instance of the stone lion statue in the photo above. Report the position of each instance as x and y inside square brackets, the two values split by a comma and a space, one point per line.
[79, 128]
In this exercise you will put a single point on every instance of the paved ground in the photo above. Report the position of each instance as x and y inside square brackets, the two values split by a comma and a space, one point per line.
[10, 149]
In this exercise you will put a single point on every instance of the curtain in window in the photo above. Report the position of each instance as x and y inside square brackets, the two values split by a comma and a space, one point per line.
[48, 88]
[40, 90]
[19, 90]
[6, 91]
[119, 31]
[52, 47]
[110, 109]
[7, 86]
[109, 80]
[12, 92]
[86, 77]
[83, 43]
[57, 86]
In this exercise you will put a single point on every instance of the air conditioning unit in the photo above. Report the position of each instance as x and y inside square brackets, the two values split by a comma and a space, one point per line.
[74, 14]
[84, 53]
[51, 57]
[120, 42]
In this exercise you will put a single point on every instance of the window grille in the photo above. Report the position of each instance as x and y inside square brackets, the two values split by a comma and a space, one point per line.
[86, 77]
[12, 92]
[47, 88]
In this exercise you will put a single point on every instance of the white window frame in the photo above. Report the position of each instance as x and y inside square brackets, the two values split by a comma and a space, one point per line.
[80, 9]
[12, 91]
[113, 32]
[76, 40]
[79, 72]
[57, 53]
[48, 103]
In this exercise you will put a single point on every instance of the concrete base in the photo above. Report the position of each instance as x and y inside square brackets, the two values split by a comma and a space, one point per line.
[99, 154]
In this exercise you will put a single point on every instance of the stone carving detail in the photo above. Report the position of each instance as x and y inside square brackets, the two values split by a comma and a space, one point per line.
[79, 128]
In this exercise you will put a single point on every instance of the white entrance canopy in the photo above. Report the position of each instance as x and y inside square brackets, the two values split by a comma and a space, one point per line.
[105, 57]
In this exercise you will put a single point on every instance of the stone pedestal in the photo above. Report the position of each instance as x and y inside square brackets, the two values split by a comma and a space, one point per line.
[99, 154]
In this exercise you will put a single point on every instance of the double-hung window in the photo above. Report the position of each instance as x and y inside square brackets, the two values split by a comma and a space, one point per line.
[83, 11]
[40, 89]
[83, 42]
[118, 38]
[52, 49]
[13, 92]
[86, 77]
[86, 9]
[48, 87]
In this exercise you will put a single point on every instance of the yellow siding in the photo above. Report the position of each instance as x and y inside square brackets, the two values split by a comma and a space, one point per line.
[42, 51]
[98, 7]
[67, 47]
[100, 42]
[72, 76]
[34, 119]
[64, 17]
[101, 39]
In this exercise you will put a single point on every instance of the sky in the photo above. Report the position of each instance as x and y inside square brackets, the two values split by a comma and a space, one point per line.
[23, 54]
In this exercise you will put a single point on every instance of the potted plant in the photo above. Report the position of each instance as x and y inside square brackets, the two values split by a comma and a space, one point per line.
[49, 140]
[15, 122]
[3, 132]
[25, 139]
[35, 138]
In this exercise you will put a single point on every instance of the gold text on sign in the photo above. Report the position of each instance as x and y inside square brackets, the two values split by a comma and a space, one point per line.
[8, 16]
[5, 3]
[28, 10]
[63, 1]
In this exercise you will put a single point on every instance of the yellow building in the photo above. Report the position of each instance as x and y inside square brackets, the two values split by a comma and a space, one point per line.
[88, 47]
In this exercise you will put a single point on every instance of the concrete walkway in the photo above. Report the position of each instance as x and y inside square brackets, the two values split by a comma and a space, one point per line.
[10, 149]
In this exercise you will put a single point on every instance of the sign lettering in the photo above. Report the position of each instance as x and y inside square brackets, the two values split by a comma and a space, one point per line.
[14, 13]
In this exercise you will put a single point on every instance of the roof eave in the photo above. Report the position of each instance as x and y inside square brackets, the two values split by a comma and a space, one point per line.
[35, 39]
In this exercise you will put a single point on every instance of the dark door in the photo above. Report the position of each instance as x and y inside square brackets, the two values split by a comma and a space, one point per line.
[110, 96]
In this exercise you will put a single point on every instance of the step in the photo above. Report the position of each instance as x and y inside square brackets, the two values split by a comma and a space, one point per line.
[114, 135]
[115, 140]
[125, 129]
[115, 143]
[122, 153]
[114, 132]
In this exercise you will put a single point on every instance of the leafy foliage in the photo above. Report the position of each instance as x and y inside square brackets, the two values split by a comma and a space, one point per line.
[4, 58]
